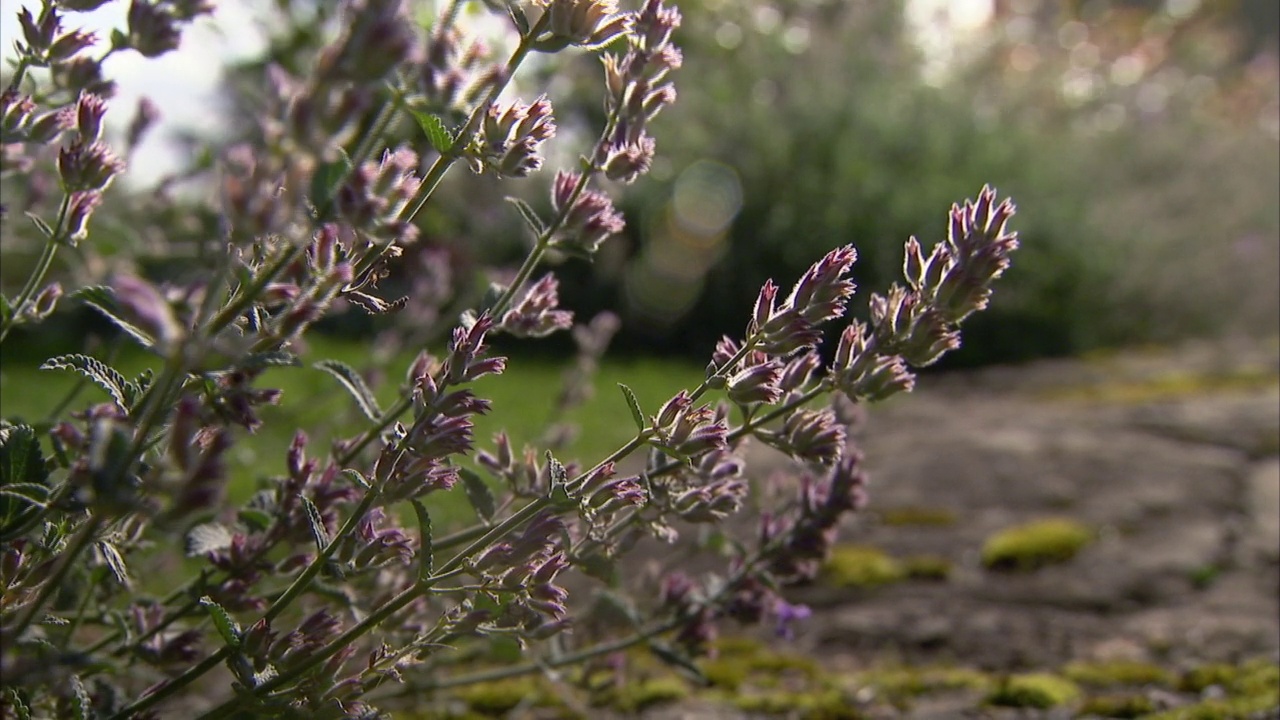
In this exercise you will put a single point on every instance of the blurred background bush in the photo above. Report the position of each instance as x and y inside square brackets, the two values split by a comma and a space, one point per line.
[1139, 139]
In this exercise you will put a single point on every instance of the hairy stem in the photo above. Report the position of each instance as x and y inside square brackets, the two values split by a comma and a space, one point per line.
[41, 269]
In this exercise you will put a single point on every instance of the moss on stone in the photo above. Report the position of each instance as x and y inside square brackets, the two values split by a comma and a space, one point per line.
[636, 696]
[501, 696]
[927, 567]
[1117, 706]
[742, 661]
[1033, 690]
[1117, 673]
[1035, 544]
[900, 685]
[861, 566]
[914, 516]
[828, 704]
[1170, 386]
[1199, 678]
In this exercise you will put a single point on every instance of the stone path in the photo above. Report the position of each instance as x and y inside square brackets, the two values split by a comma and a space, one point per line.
[1170, 457]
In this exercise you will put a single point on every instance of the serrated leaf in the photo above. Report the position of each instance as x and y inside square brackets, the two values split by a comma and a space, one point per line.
[528, 215]
[21, 466]
[424, 544]
[207, 538]
[14, 701]
[81, 705]
[274, 358]
[478, 493]
[559, 478]
[318, 530]
[326, 180]
[354, 384]
[102, 374]
[678, 660]
[433, 127]
[633, 403]
[356, 478]
[102, 299]
[115, 562]
[225, 625]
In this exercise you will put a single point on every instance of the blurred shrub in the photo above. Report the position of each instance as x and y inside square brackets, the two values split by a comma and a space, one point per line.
[1143, 154]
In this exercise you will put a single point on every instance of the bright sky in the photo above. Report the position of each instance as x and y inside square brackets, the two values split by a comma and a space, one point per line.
[183, 83]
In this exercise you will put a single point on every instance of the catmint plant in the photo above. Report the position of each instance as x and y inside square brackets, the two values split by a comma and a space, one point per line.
[329, 592]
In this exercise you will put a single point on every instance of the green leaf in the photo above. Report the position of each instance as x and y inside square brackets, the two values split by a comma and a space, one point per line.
[31, 492]
[424, 545]
[634, 404]
[6, 311]
[14, 701]
[478, 493]
[318, 530]
[115, 563]
[528, 215]
[105, 376]
[226, 626]
[22, 465]
[103, 299]
[600, 567]
[678, 660]
[433, 127]
[356, 478]
[326, 180]
[354, 384]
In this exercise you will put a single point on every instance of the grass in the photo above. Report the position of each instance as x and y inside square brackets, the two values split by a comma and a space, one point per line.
[314, 401]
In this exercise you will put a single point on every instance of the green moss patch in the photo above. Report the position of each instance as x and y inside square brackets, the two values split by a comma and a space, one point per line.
[862, 566]
[926, 567]
[743, 662]
[1170, 386]
[1033, 690]
[900, 685]
[637, 696]
[913, 516]
[501, 696]
[827, 704]
[1118, 673]
[1035, 544]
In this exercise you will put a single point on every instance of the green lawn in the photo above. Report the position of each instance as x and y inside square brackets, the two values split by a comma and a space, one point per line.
[314, 401]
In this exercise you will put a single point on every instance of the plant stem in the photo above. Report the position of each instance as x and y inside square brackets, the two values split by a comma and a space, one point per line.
[544, 238]
[244, 297]
[446, 159]
[304, 579]
[66, 560]
[570, 659]
[41, 269]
